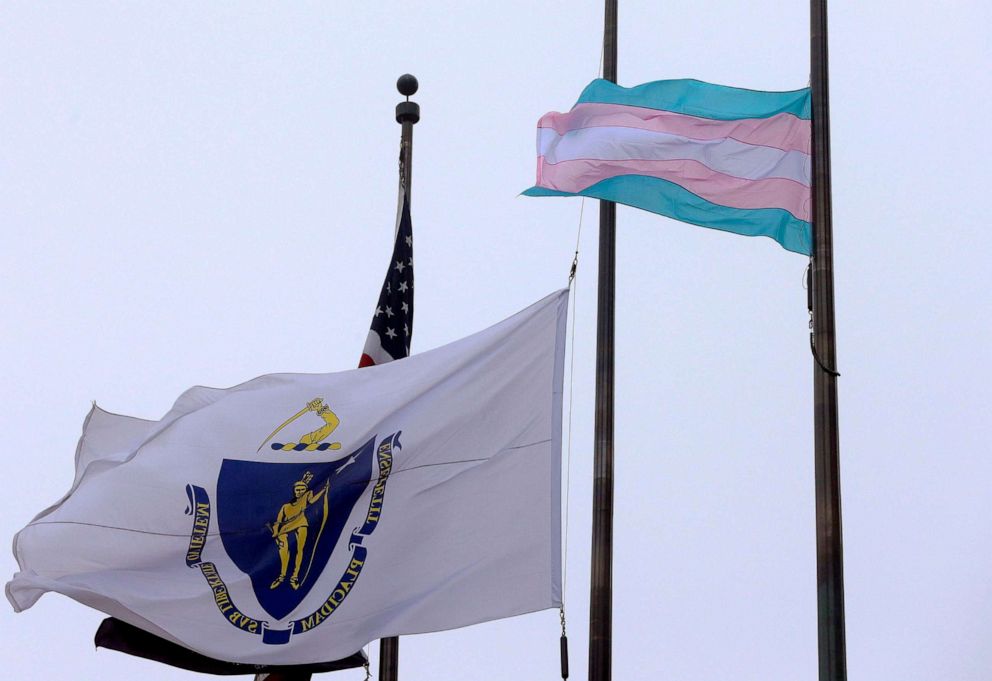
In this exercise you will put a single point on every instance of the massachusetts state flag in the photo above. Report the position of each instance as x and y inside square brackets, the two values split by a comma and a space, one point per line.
[392, 321]
[293, 518]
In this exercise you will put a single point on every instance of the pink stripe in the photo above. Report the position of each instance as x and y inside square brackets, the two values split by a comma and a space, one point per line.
[734, 192]
[782, 131]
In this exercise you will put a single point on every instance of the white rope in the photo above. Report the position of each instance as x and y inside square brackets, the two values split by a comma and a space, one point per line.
[571, 384]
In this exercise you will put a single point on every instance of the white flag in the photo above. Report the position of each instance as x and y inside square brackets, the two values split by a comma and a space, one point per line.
[296, 517]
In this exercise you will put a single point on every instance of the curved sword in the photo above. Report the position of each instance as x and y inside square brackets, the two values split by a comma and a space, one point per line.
[285, 423]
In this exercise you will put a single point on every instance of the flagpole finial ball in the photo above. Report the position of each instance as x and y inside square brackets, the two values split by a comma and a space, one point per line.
[407, 85]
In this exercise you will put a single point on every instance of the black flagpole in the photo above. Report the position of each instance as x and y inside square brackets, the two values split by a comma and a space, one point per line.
[407, 114]
[601, 577]
[829, 545]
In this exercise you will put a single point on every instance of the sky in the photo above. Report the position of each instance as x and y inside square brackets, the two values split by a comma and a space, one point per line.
[200, 193]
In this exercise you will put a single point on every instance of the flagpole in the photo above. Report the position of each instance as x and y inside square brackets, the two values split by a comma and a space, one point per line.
[829, 545]
[407, 114]
[601, 576]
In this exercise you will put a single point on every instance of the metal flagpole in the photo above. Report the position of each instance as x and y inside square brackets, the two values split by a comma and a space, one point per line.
[407, 114]
[829, 546]
[601, 577]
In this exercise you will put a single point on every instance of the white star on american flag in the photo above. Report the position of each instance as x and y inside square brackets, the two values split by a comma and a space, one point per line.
[395, 305]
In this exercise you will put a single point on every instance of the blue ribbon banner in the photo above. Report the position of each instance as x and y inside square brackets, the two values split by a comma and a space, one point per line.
[199, 508]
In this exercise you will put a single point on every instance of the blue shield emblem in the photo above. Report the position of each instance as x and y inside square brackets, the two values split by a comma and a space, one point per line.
[280, 522]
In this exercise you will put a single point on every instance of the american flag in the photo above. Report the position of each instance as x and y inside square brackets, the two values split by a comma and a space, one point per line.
[392, 322]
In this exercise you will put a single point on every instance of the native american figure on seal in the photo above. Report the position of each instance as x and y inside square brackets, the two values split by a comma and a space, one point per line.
[292, 520]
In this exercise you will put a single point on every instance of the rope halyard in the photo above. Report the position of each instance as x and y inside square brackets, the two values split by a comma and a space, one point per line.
[563, 641]
[578, 237]
[809, 307]
[819, 362]
[571, 382]
[568, 449]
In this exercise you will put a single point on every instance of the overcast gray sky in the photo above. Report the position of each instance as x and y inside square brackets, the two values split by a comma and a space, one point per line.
[201, 193]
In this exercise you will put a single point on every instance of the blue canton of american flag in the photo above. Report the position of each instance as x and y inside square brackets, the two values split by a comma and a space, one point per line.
[392, 323]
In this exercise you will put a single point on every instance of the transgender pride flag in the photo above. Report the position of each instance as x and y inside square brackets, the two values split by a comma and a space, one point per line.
[715, 156]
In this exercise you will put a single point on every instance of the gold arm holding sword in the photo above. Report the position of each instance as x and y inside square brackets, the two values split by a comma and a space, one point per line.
[317, 406]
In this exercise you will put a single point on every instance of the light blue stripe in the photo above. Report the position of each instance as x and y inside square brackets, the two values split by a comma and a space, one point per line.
[696, 98]
[668, 199]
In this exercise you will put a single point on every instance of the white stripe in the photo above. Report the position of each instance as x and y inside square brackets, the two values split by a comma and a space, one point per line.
[373, 348]
[728, 156]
